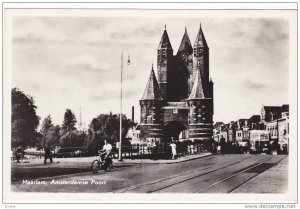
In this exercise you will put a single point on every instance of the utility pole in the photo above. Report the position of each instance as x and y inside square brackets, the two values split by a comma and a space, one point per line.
[80, 121]
[128, 62]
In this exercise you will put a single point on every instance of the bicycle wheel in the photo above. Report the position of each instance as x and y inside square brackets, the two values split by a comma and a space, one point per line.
[95, 166]
[109, 167]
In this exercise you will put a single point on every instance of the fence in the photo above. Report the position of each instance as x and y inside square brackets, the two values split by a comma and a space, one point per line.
[141, 151]
[160, 151]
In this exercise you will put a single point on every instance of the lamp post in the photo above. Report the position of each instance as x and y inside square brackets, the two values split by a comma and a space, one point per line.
[128, 62]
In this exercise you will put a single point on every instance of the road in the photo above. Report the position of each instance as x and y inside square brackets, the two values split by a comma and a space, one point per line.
[212, 174]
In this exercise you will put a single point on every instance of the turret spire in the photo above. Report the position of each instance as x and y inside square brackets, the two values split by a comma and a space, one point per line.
[165, 41]
[200, 40]
[152, 91]
[185, 45]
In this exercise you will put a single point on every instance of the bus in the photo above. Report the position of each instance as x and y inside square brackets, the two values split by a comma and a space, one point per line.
[259, 141]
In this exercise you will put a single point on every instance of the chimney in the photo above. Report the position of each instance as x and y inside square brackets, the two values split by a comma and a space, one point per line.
[132, 114]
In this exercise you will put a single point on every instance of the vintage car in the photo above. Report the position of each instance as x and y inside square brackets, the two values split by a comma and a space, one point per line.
[70, 152]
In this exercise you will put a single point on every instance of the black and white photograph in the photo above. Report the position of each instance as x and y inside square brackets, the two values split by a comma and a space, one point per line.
[110, 102]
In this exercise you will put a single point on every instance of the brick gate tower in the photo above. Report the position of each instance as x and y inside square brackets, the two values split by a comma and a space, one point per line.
[179, 103]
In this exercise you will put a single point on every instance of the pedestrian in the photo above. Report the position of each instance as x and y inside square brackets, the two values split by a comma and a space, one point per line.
[173, 147]
[155, 150]
[149, 144]
[19, 154]
[223, 145]
[48, 154]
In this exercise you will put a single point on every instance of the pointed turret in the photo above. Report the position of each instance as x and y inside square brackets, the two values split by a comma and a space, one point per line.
[164, 63]
[197, 91]
[200, 40]
[201, 60]
[185, 45]
[152, 91]
[165, 41]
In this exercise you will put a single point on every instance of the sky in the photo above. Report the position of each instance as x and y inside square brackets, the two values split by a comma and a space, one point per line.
[73, 62]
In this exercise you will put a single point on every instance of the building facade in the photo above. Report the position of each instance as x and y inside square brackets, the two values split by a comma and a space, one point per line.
[179, 102]
[272, 113]
[279, 128]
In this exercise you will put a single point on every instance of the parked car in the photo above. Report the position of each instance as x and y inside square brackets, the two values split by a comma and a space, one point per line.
[243, 147]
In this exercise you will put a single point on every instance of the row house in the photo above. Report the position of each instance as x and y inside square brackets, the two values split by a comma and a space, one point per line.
[274, 119]
[242, 131]
[272, 113]
[279, 128]
[224, 131]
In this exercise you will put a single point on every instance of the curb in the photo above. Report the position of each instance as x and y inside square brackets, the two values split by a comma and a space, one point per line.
[134, 162]
[164, 162]
[122, 163]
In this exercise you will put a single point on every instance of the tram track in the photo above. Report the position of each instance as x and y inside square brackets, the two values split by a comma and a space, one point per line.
[184, 176]
[227, 181]
[166, 184]
[258, 166]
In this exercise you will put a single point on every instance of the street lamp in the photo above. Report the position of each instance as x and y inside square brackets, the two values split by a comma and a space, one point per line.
[128, 63]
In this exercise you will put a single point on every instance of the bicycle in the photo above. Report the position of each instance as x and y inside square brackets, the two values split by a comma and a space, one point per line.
[99, 164]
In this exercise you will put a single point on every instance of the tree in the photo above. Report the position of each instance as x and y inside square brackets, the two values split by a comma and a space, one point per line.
[106, 126]
[24, 120]
[52, 136]
[68, 136]
[46, 125]
[69, 121]
[72, 139]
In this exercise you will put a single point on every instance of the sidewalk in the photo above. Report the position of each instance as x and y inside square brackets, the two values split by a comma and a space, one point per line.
[88, 160]
[35, 168]
[178, 160]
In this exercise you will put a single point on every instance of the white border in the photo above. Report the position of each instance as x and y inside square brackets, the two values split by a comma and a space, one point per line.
[291, 196]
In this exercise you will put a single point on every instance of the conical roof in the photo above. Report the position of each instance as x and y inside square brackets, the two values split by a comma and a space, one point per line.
[197, 90]
[165, 41]
[200, 40]
[152, 91]
[185, 45]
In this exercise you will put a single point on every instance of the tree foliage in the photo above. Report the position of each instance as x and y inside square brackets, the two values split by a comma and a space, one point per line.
[69, 121]
[52, 136]
[72, 139]
[24, 120]
[106, 126]
[46, 125]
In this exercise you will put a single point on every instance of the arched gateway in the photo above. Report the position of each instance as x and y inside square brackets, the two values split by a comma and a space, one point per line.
[180, 102]
[174, 130]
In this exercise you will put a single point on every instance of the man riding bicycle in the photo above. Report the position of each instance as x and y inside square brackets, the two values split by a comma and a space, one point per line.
[105, 161]
[105, 152]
